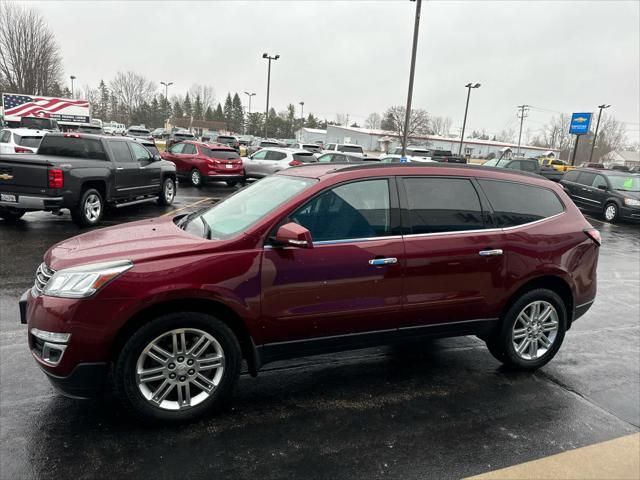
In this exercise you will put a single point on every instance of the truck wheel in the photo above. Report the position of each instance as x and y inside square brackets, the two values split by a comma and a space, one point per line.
[196, 177]
[90, 209]
[177, 367]
[11, 214]
[168, 192]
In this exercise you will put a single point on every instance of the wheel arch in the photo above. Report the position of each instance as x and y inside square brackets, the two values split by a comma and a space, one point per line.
[198, 305]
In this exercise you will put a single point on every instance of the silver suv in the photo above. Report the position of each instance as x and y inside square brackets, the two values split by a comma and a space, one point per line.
[271, 160]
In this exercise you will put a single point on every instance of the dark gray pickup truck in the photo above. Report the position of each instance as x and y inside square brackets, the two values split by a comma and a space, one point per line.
[83, 173]
[530, 165]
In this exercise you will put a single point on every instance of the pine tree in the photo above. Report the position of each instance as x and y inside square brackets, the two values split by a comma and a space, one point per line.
[186, 106]
[198, 112]
[228, 112]
[103, 105]
[155, 114]
[209, 115]
[291, 120]
[311, 122]
[178, 112]
[238, 114]
[219, 114]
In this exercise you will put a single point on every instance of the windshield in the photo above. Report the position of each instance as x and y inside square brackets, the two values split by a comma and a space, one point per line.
[32, 142]
[624, 183]
[496, 163]
[312, 148]
[221, 154]
[238, 212]
[350, 148]
[268, 144]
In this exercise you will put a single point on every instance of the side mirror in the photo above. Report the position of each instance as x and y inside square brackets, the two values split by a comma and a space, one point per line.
[157, 158]
[602, 187]
[294, 235]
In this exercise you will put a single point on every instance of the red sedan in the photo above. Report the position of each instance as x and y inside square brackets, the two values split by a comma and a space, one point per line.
[203, 161]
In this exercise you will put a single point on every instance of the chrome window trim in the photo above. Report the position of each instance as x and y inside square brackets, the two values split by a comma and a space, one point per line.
[345, 240]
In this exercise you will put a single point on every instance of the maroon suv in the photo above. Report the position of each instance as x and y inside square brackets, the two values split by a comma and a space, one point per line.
[315, 259]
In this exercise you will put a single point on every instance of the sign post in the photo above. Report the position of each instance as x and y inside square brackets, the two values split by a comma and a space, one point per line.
[579, 126]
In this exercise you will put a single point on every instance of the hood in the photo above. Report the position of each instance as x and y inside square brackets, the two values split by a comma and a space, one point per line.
[146, 239]
[635, 195]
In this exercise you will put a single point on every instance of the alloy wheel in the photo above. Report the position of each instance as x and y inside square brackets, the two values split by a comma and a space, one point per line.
[195, 177]
[180, 369]
[169, 191]
[535, 330]
[92, 207]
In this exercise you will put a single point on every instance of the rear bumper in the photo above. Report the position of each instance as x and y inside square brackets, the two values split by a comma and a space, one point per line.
[580, 310]
[86, 380]
[225, 176]
[29, 202]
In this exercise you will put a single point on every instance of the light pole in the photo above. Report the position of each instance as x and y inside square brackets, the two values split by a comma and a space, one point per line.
[595, 135]
[301, 118]
[249, 95]
[72, 77]
[266, 115]
[166, 95]
[468, 86]
[412, 70]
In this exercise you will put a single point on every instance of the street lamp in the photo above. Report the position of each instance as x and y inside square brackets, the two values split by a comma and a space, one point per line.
[72, 77]
[249, 95]
[301, 118]
[266, 115]
[416, 26]
[166, 95]
[468, 86]
[595, 135]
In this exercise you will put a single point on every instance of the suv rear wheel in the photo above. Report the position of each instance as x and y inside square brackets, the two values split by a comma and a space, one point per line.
[532, 330]
[89, 210]
[177, 367]
[195, 177]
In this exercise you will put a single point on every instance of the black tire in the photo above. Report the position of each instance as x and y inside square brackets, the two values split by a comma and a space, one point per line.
[82, 214]
[195, 177]
[168, 192]
[232, 183]
[124, 375]
[501, 345]
[11, 214]
[610, 212]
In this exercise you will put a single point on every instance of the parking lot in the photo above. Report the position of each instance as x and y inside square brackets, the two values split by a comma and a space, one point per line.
[441, 409]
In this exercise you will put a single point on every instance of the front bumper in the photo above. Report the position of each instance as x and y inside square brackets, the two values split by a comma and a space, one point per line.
[29, 202]
[630, 213]
[86, 380]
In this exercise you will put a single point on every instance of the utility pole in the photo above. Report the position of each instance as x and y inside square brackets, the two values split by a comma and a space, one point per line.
[595, 135]
[266, 115]
[523, 111]
[416, 27]
[249, 95]
[468, 86]
[72, 77]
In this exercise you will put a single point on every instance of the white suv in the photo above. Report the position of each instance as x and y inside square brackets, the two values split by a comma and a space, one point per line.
[20, 140]
[267, 161]
[344, 147]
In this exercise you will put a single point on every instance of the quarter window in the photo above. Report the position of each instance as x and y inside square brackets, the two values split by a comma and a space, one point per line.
[355, 210]
[516, 203]
[259, 155]
[442, 205]
[273, 155]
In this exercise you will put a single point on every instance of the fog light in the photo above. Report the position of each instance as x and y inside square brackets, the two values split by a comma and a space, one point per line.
[51, 336]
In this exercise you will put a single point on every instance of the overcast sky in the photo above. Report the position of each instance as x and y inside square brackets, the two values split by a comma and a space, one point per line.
[352, 57]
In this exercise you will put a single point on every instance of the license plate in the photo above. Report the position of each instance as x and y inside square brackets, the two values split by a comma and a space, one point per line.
[228, 165]
[6, 197]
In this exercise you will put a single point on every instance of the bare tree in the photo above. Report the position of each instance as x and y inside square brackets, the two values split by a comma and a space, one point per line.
[440, 125]
[341, 119]
[612, 136]
[373, 121]
[506, 135]
[131, 90]
[207, 96]
[30, 60]
[418, 121]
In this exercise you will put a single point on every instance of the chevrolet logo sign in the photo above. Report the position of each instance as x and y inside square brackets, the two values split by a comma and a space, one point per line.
[5, 176]
[579, 119]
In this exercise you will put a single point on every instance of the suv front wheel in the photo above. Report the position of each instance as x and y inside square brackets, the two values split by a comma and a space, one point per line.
[177, 367]
[531, 331]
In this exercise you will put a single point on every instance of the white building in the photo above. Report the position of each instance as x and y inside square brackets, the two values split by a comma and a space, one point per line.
[311, 135]
[383, 141]
[627, 158]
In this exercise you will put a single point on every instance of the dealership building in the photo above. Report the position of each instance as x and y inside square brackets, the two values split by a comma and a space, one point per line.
[373, 140]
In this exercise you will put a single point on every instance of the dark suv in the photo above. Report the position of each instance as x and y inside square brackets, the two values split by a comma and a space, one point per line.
[314, 259]
[610, 193]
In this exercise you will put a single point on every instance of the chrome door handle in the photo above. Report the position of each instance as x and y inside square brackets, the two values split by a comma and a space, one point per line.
[383, 261]
[119, 168]
[490, 253]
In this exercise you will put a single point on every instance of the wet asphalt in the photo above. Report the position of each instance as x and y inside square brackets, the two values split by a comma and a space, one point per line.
[443, 409]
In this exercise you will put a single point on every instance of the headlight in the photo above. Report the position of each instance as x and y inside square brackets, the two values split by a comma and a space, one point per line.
[84, 280]
[632, 202]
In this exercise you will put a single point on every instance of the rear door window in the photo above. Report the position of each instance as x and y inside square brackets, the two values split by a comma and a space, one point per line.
[121, 152]
[189, 149]
[571, 176]
[600, 181]
[516, 203]
[276, 156]
[442, 205]
[304, 157]
[177, 148]
[140, 153]
[586, 178]
[352, 211]
[350, 149]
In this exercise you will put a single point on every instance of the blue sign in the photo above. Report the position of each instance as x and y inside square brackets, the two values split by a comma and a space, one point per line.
[404, 159]
[580, 123]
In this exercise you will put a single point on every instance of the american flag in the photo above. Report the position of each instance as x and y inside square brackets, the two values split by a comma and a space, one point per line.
[25, 106]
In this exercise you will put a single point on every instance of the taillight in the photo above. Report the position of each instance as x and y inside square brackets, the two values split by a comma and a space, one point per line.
[293, 163]
[594, 235]
[72, 135]
[55, 178]
[22, 150]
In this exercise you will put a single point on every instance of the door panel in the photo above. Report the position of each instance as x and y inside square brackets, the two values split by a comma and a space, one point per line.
[149, 170]
[127, 175]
